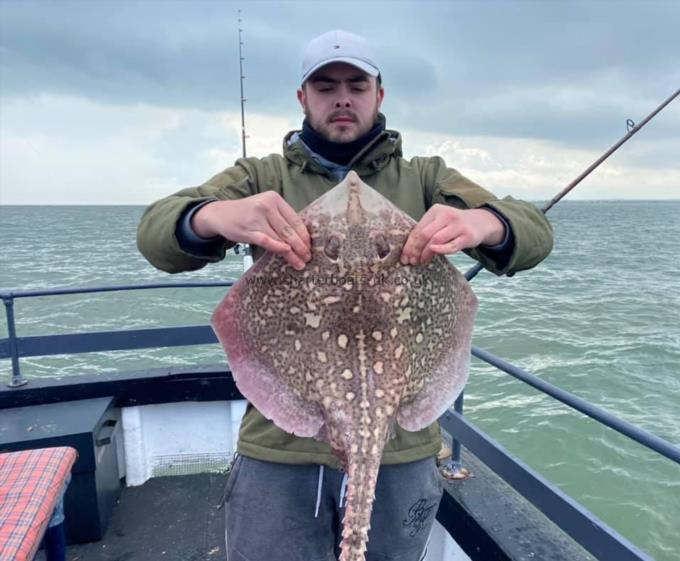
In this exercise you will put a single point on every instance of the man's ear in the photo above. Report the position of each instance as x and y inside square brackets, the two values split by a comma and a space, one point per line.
[302, 98]
[381, 95]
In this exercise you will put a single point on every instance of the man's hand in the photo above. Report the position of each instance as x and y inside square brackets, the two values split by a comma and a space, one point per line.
[445, 230]
[264, 219]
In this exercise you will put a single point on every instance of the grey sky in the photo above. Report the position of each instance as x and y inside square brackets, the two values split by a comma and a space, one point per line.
[564, 73]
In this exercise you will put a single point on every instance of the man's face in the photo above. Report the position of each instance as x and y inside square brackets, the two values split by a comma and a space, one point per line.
[341, 102]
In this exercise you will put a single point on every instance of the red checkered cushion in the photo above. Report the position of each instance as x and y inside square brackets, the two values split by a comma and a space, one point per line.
[30, 483]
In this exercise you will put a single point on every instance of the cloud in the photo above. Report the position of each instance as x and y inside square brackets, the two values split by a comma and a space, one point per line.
[541, 70]
[538, 170]
[68, 150]
[143, 88]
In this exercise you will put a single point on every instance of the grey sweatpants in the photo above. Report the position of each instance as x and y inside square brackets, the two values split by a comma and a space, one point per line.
[284, 512]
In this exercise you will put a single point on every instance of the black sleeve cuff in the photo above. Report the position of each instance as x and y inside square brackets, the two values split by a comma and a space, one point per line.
[189, 240]
[502, 252]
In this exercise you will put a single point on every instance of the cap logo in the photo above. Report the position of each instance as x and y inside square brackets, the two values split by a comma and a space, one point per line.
[337, 46]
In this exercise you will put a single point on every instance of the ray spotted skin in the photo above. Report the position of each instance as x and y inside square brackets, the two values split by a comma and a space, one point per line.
[354, 342]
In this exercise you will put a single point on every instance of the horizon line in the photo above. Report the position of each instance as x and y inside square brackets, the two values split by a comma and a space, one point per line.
[677, 199]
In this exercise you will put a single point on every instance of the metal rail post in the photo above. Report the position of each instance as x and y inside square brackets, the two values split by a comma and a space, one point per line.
[17, 379]
[454, 469]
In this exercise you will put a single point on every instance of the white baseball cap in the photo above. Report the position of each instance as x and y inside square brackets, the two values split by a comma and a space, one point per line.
[338, 46]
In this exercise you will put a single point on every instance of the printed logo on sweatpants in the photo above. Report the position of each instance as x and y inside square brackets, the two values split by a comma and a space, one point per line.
[418, 515]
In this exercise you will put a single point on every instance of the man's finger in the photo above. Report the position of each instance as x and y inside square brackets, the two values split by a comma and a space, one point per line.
[446, 248]
[293, 260]
[284, 250]
[442, 236]
[296, 222]
[462, 241]
[427, 255]
[419, 238]
[413, 246]
[269, 242]
[287, 233]
[424, 237]
[280, 247]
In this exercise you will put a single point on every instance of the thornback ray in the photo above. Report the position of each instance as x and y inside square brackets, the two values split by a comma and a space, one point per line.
[353, 343]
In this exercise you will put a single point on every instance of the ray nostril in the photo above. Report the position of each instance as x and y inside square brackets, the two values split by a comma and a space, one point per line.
[382, 246]
[332, 248]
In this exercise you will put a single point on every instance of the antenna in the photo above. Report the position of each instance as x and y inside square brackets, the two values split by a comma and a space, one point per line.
[243, 99]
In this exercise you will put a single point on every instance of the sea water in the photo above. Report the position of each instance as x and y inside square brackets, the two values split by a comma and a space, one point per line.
[599, 318]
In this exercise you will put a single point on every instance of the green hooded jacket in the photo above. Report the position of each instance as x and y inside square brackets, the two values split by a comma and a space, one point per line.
[412, 185]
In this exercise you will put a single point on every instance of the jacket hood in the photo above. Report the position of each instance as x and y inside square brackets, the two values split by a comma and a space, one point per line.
[370, 159]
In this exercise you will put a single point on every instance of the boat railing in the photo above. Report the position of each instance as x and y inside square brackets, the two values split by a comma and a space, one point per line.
[583, 526]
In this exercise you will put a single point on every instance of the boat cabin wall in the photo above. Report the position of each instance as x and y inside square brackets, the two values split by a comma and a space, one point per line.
[179, 438]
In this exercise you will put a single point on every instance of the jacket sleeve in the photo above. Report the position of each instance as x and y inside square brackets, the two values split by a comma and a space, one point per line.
[157, 233]
[530, 230]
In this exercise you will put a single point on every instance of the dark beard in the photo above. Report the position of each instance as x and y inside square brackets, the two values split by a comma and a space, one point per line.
[340, 153]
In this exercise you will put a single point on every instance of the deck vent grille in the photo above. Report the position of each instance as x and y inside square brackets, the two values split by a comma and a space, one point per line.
[187, 464]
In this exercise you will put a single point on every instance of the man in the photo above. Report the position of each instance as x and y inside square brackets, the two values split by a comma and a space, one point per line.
[284, 497]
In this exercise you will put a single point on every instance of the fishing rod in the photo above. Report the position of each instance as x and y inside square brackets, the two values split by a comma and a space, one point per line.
[455, 469]
[242, 77]
[632, 129]
[247, 251]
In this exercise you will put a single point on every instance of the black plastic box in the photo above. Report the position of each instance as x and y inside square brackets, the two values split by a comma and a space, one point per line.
[89, 426]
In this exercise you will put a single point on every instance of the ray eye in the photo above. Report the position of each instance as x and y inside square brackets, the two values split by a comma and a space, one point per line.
[332, 248]
[381, 246]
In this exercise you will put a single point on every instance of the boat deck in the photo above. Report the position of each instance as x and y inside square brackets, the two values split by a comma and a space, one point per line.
[167, 518]
[176, 518]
